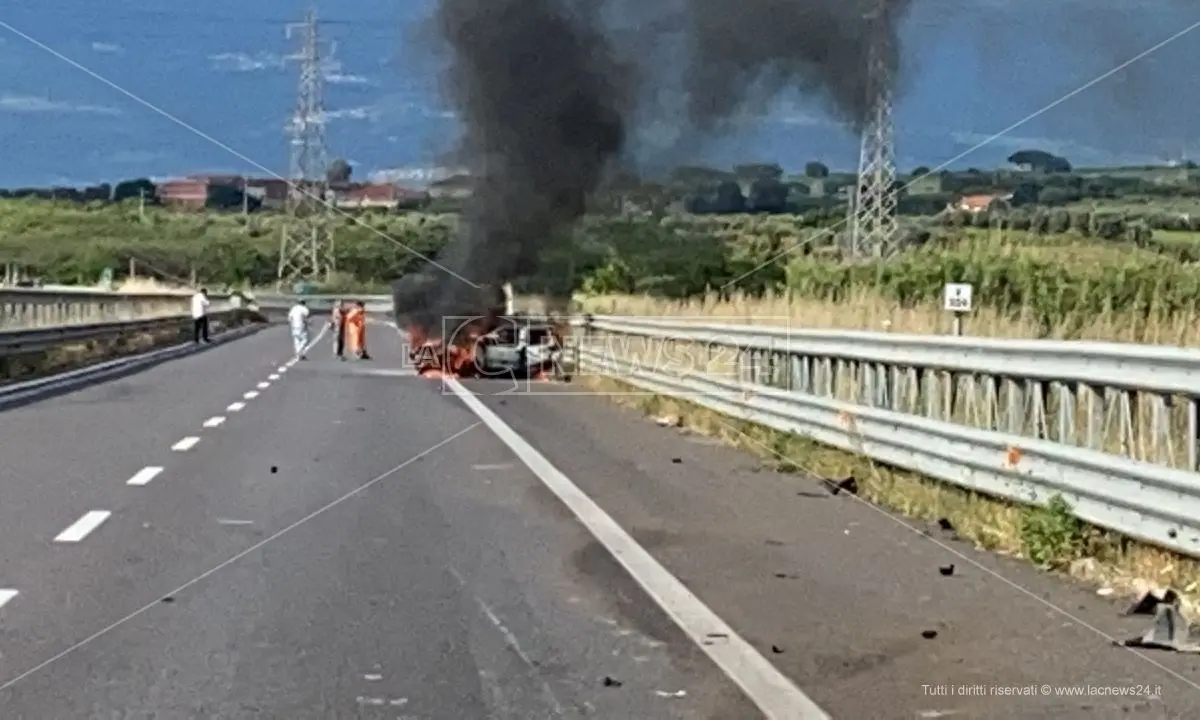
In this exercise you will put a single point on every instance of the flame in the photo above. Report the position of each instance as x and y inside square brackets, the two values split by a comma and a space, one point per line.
[435, 360]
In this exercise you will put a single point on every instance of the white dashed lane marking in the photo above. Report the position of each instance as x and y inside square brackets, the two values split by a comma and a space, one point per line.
[185, 444]
[83, 527]
[273, 376]
[250, 395]
[213, 422]
[144, 476]
[264, 385]
[6, 596]
[236, 407]
[282, 369]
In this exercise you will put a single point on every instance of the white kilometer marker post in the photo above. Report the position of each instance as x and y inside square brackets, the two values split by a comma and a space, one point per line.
[185, 444]
[213, 422]
[144, 476]
[83, 526]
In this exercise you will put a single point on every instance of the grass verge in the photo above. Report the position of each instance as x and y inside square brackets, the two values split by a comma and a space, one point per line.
[1050, 537]
[32, 366]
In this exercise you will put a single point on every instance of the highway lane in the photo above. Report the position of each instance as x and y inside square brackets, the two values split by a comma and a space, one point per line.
[351, 543]
[840, 593]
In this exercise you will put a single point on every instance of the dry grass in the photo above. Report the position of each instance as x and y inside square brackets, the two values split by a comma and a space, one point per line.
[1100, 558]
[150, 285]
[865, 310]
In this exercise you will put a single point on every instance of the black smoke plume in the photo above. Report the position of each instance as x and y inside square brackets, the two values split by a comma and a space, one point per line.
[543, 103]
[745, 50]
[549, 91]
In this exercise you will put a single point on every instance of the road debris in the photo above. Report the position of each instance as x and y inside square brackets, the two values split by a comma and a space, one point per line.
[776, 649]
[1148, 603]
[947, 570]
[612, 682]
[849, 484]
[1170, 631]
[929, 634]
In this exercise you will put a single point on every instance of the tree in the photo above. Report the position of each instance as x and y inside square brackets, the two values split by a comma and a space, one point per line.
[816, 170]
[695, 176]
[338, 172]
[1041, 161]
[767, 195]
[758, 171]
[1055, 196]
[920, 171]
[129, 189]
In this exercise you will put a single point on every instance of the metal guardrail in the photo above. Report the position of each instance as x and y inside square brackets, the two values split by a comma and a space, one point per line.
[19, 342]
[22, 308]
[35, 319]
[321, 303]
[974, 413]
[1138, 401]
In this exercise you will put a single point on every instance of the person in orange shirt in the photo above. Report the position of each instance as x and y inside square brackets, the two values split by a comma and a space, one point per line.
[356, 330]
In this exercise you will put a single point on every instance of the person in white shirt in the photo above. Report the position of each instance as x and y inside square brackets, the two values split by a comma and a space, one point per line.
[298, 320]
[200, 304]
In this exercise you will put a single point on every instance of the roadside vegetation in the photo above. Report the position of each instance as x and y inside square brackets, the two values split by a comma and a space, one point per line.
[1100, 277]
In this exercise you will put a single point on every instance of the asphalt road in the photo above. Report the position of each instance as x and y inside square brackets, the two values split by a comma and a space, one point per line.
[350, 541]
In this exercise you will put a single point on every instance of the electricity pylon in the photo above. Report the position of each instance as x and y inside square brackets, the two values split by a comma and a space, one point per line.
[872, 220]
[306, 242]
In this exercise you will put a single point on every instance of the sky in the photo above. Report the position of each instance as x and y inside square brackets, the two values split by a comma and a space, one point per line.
[95, 92]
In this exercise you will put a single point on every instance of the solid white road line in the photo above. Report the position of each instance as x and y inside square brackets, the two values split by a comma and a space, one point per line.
[273, 376]
[773, 693]
[236, 407]
[264, 385]
[250, 395]
[144, 476]
[83, 526]
[214, 421]
[6, 596]
[388, 372]
[185, 444]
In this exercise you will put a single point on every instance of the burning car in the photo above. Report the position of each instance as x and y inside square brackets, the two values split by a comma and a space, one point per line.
[521, 346]
[496, 346]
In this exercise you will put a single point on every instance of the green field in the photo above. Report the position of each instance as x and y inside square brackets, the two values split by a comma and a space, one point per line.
[1055, 282]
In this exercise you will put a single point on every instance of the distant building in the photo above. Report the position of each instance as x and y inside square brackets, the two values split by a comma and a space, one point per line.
[979, 203]
[270, 192]
[189, 193]
[454, 187]
[379, 196]
[195, 191]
